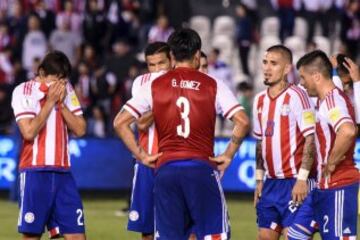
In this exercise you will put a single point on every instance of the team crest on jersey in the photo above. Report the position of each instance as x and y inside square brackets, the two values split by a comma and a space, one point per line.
[74, 101]
[29, 217]
[133, 216]
[285, 110]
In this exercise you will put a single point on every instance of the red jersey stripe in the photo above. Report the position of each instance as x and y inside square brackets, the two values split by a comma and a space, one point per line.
[269, 148]
[285, 139]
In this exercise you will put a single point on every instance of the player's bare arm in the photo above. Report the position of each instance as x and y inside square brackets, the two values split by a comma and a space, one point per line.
[145, 121]
[122, 123]
[30, 128]
[241, 127]
[344, 139]
[300, 189]
[76, 124]
[259, 172]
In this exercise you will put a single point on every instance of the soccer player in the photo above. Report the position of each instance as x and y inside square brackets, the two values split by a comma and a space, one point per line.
[45, 108]
[334, 202]
[203, 63]
[346, 77]
[184, 101]
[141, 212]
[284, 125]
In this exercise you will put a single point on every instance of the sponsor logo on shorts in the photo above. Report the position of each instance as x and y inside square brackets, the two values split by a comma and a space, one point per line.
[133, 215]
[347, 231]
[29, 217]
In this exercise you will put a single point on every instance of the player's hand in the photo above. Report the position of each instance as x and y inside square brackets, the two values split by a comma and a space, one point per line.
[328, 169]
[150, 160]
[299, 191]
[258, 190]
[353, 69]
[222, 162]
[63, 91]
[54, 92]
[333, 61]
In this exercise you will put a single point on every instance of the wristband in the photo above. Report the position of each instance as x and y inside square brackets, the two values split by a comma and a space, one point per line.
[259, 174]
[303, 174]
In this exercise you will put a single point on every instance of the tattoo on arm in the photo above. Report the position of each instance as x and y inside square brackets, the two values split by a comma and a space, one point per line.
[236, 140]
[308, 153]
[259, 158]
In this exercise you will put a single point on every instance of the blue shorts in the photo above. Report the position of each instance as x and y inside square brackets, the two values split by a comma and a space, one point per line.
[305, 217]
[275, 209]
[49, 199]
[141, 212]
[336, 212]
[189, 197]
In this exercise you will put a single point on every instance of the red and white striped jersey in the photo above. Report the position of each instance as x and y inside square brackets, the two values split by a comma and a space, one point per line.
[332, 112]
[184, 102]
[49, 149]
[148, 140]
[353, 94]
[281, 124]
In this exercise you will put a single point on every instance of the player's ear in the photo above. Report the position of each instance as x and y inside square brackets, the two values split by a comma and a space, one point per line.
[288, 68]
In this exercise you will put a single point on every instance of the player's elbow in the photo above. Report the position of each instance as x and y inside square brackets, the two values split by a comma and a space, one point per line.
[243, 120]
[80, 130]
[349, 131]
[28, 135]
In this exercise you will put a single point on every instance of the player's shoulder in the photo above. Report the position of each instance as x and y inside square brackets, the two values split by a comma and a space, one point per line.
[147, 77]
[24, 89]
[335, 98]
[259, 95]
[299, 94]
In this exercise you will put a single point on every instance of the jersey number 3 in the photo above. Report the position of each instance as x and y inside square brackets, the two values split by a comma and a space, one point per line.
[183, 130]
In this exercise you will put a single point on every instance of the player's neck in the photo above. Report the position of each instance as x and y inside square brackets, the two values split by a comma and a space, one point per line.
[185, 64]
[325, 88]
[276, 89]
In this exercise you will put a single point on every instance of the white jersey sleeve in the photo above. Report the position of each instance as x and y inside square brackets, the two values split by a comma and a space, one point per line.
[71, 100]
[304, 111]
[141, 103]
[23, 105]
[337, 81]
[226, 103]
[335, 111]
[256, 118]
[357, 101]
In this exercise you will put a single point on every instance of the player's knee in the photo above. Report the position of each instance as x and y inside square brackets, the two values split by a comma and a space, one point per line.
[74, 236]
[147, 236]
[265, 236]
[29, 236]
[297, 232]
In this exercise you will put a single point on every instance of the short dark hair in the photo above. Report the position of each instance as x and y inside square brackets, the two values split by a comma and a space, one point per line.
[184, 43]
[203, 55]
[286, 52]
[340, 59]
[318, 61]
[55, 63]
[157, 47]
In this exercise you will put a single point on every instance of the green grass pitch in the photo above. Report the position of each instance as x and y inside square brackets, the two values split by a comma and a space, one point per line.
[102, 224]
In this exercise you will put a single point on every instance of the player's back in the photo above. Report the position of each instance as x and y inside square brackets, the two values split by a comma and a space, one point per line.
[184, 107]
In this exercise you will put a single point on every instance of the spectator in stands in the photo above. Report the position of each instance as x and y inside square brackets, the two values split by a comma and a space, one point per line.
[6, 114]
[90, 57]
[6, 67]
[350, 28]
[5, 38]
[243, 36]
[35, 44]
[94, 26]
[46, 17]
[245, 94]
[96, 123]
[81, 82]
[66, 41]
[71, 16]
[17, 22]
[219, 69]
[161, 31]
[286, 13]
[19, 73]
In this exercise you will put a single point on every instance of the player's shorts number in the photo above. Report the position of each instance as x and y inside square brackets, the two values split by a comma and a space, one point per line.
[183, 130]
[79, 212]
[292, 206]
[326, 219]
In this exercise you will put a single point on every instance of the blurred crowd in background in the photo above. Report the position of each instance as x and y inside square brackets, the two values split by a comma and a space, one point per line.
[105, 39]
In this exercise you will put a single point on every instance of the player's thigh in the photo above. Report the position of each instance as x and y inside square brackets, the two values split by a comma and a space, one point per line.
[336, 212]
[68, 208]
[74, 236]
[267, 234]
[171, 215]
[206, 201]
[35, 201]
[141, 212]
